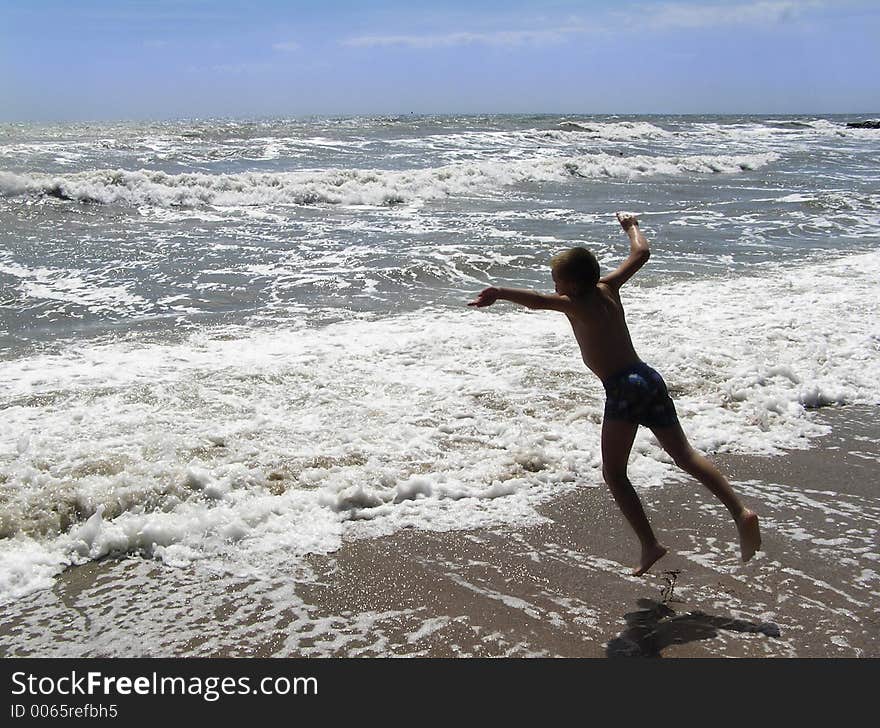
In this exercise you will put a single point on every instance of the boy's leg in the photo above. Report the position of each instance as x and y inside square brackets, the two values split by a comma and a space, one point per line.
[617, 440]
[673, 440]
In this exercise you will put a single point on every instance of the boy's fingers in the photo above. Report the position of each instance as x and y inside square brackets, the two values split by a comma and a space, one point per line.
[482, 300]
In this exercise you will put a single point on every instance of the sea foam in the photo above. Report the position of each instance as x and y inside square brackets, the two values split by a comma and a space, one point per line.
[355, 186]
[247, 449]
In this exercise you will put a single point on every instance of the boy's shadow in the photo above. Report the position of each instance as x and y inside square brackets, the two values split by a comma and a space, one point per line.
[656, 626]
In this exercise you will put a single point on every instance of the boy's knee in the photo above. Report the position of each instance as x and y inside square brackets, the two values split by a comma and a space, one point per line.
[613, 474]
[685, 458]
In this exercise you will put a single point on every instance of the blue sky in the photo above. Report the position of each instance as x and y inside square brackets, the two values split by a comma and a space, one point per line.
[119, 59]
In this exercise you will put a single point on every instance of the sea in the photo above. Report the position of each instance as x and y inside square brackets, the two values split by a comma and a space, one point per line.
[226, 345]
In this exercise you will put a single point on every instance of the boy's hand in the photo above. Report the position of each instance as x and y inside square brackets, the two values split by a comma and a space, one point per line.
[627, 220]
[486, 297]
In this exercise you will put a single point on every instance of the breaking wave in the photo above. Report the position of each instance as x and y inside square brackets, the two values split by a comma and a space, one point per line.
[355, 186]
[615, 131]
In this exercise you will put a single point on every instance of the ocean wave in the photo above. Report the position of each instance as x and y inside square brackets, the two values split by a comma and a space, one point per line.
[355, 186]
[615, 131]
[821, 126]
[240, 445]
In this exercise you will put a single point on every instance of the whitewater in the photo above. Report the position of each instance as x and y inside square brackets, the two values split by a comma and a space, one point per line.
[231, 344]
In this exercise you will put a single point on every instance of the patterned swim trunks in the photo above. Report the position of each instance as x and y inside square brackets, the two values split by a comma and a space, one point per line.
[638, 394]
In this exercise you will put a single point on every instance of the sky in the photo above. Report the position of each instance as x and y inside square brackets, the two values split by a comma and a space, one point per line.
[64, 60]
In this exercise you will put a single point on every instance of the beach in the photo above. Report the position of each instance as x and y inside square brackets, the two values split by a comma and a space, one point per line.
[244, 409]
[560, 588]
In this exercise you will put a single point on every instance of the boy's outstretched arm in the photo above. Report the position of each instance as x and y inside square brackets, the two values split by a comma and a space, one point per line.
[638, 252]
[529, 299]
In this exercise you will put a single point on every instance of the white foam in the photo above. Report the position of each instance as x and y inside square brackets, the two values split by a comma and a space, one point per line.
[240, 448]
[68, 285]
[616, 131]
[355, 186]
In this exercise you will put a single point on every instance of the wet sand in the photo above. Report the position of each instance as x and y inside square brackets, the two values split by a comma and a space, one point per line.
[560, 588]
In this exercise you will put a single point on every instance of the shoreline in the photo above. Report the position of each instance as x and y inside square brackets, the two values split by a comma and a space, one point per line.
[560, 588]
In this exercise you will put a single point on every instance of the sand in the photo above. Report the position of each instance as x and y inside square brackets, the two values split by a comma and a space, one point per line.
[560, 588]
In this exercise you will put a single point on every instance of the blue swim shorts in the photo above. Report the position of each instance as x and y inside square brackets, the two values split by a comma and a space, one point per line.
[638, 394]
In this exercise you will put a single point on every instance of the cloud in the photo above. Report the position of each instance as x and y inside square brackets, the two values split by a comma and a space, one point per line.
[654, 16]
[553, 36]
[692, 15]
[286, 47]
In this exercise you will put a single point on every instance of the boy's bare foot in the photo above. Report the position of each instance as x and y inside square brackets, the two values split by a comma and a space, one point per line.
[627, 220]
[650, 556]
[749, 534]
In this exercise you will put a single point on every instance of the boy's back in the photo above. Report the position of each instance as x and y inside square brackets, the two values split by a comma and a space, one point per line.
[599, 325]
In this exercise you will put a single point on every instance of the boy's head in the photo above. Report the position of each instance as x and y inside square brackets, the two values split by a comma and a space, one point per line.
[575, 272]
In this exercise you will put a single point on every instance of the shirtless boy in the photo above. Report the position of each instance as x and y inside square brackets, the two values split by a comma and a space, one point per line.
[635, 393]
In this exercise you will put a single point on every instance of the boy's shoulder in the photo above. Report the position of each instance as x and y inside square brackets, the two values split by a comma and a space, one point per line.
[608, 289]
[596, 306]
[602, 293]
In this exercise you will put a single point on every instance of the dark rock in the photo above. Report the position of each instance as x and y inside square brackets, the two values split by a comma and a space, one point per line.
[869, 124]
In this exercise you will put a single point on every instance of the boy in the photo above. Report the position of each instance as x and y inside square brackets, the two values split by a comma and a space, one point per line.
[635, 393]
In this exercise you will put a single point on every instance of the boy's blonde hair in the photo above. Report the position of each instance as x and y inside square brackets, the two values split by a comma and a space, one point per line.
[577, 265]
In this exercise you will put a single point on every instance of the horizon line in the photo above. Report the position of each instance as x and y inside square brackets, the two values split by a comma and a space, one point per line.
[422, 114]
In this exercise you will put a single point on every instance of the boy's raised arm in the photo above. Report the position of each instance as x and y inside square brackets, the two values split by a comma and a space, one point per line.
[638, 252]
[529, 299]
